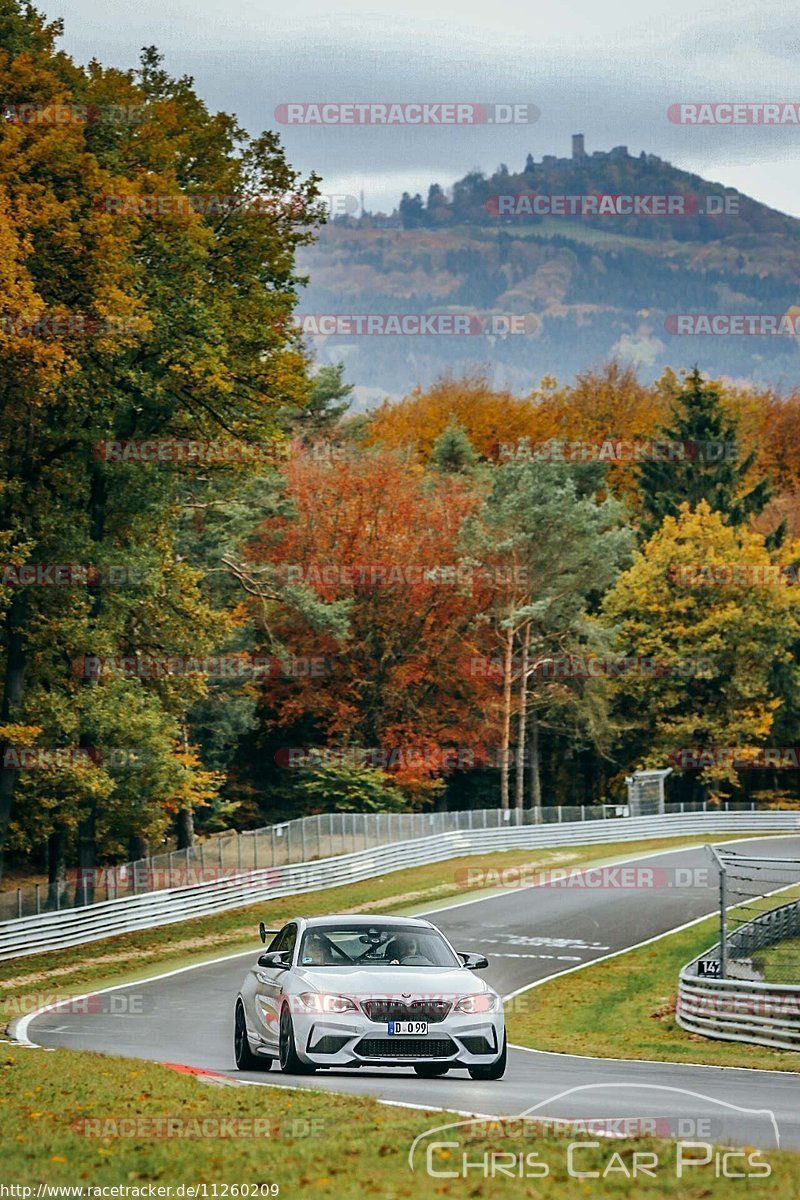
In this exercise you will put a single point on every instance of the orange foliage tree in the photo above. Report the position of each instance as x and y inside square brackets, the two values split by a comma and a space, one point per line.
[381, 534]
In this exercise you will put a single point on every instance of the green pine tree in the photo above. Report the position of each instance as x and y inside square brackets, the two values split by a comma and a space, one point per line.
[708, 468]
[452, 452]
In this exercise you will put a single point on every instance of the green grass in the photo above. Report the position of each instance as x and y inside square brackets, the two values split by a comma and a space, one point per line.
[781, 963]
[626, 1006]
[310, 1143]
[134, 956]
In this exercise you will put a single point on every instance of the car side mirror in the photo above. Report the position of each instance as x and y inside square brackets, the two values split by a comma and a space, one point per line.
[475, 962]
[275, 959]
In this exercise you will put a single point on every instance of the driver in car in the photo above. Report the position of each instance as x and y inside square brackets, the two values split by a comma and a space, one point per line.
[402, 946]
[316, 952]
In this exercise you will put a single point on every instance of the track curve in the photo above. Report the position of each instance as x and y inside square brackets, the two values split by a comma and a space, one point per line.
[529, 935]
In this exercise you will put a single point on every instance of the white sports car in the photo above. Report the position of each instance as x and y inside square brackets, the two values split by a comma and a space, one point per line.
[368, 991]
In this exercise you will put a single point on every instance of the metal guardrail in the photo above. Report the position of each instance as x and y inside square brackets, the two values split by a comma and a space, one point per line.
[70, 927]
[298, 840]
[745, 1010]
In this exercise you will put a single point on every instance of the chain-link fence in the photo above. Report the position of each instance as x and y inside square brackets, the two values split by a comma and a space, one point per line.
[759, 919]
[301, 840]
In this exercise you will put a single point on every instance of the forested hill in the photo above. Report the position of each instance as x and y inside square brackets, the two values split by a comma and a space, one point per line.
[593, 285]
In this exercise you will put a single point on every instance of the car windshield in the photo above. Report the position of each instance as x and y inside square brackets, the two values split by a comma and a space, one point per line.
[375, 945]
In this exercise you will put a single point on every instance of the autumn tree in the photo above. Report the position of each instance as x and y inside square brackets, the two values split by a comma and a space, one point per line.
[549, 547]
[706, 605]
[179, 325]
[379, 535]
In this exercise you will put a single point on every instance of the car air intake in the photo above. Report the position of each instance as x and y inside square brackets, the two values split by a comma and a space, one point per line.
[431, 1011]
[478, 1045]
[397, 1047]
[330, 1044]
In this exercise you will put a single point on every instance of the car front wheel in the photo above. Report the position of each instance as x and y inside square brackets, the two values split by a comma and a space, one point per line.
[495, 1070]
[291, 1064]
[245, 1059]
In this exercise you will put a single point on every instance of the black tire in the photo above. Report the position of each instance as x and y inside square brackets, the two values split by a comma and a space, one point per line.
[245, 1059]
[495, 1070]
[431, 1070]
[290, 1063]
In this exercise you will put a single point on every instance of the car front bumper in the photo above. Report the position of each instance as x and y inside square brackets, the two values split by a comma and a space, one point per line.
[353, 1040]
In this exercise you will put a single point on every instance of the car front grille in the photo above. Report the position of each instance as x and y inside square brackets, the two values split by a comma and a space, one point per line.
[431, 1011]
[397, 1047]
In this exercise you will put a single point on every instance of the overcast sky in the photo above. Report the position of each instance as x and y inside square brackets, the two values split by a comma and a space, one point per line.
[609, 70]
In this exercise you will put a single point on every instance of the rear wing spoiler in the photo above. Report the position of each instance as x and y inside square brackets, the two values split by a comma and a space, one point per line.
[263, 931]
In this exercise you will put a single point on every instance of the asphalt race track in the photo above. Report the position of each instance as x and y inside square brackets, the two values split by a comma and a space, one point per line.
[528, 935]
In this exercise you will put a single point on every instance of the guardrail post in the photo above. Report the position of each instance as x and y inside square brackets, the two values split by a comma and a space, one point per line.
[560, 814]
[19, 902]
[272, 841]
[169, 867]
[723, 922]
[255, 850]
[583, 812]
[38, 905]
[221, 864]
[203, 861]
[186, 855]
[239, 852]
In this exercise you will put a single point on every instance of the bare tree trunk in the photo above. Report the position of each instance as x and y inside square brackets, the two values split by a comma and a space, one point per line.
[505, 737]
[185, 830]
[536, 781]
[13, 693]
[56, 867]
[87, 829]
[87, 858]
[185, 819]
[523, 717]
[137, 847]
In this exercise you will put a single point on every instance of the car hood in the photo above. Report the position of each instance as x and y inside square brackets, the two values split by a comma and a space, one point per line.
[431, 982]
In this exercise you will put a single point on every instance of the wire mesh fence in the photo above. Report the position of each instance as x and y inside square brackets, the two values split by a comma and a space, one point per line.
[759, 918]
[304, 839]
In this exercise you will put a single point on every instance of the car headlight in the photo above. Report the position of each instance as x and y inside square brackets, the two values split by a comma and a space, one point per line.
[481, 1003]
[319, 1002]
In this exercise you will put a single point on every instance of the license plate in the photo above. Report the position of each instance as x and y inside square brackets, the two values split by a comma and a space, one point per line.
[408, 1028]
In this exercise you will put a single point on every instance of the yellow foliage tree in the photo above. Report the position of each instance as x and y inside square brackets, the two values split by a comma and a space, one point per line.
[707, 608]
